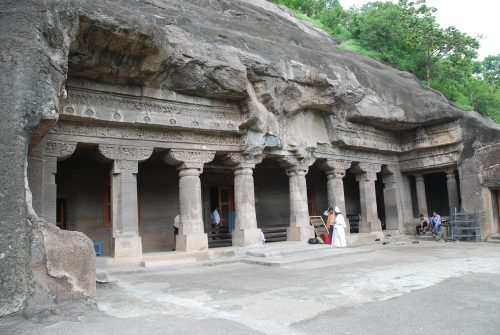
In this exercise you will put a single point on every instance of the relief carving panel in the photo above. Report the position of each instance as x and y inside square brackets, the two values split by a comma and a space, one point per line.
[84, 103]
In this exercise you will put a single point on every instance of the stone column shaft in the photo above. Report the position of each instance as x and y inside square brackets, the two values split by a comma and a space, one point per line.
[335, 186]
[246, 231]
[124, 209]
[368, 199]
[391, 201]
[124, 203]
[190, 201]
[421, 197]
[42, 170]
[192, 236]
[453, 197]
[300, 228]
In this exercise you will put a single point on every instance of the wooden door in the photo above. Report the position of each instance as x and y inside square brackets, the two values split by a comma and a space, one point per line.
[226, 204]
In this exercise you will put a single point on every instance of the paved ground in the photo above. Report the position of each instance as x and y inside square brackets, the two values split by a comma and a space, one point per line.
[426, 288]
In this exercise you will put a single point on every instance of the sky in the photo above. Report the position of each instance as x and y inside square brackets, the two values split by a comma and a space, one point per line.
[473, 17]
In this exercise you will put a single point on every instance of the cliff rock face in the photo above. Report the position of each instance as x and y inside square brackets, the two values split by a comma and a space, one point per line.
[248, 51]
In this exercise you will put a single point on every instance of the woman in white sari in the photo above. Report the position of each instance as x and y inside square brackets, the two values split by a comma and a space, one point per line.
[339, 240]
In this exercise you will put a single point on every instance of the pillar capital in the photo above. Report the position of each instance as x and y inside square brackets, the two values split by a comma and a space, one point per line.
[295, 166]
[372, 168]
[242, 160]
[335, 168]
[123, 165]
[189, 159]
[366, 176]
[419, 178]
[450, 174]
[389, 179]
[125, 152]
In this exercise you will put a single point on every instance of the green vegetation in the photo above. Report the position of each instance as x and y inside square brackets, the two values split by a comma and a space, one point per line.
[407, 36]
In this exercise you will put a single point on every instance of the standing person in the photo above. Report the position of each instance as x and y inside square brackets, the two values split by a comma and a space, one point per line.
[215, 217]
[329, 222]
[435, 223]
[339, 239]
[424, 222]
[214, 222]
[177, 219]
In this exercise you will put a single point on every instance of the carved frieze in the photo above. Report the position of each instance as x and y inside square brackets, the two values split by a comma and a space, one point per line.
[85, 103]
[431, 136]
[431, 159]
[366, 137]
[491, 177]
[143, 134]
[342, 153]
[58, 149]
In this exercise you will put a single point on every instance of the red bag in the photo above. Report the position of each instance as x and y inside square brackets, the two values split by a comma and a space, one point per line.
[326, 238]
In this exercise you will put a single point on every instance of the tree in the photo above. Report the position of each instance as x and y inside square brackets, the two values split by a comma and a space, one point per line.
[490, 71]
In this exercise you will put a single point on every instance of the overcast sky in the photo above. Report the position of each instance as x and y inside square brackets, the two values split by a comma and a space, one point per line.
[474, 17]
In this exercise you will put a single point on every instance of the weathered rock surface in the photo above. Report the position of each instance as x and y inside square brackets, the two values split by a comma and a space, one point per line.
[248, 51]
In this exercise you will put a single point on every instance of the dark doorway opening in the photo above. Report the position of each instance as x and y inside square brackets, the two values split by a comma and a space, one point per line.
[352, 201]
[222, 201]
[436, 193]
[61, 213]
[379, 191]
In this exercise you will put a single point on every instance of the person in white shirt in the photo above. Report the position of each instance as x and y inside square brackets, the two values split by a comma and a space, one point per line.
[339, 239]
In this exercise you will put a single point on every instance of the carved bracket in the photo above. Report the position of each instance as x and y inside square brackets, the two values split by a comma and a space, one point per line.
[129, 153]
[61, 150]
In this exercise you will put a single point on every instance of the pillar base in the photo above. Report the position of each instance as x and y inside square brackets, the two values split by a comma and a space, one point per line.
[299, 233]
[368, 227]
[245, 237]
[128, 246]
[194, 242]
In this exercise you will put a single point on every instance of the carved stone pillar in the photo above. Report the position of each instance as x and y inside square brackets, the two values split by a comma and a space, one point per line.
[453, 197]
[124, 206]
[335, 173]
[300, 228]
[246, 231]
[421, 197]
[368, 197]
[190, 165]
[393, 215]
[42, 169]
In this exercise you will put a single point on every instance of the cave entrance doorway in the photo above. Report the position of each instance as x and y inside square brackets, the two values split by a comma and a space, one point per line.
[379, 192]
[218, 194]
[272, 199]
[352, 201]
[317, 198]
[436, 193]
[82, 201]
